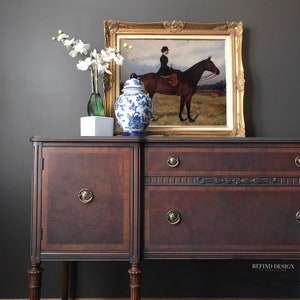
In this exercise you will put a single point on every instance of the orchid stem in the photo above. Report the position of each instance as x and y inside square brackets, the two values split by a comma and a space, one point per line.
[92, 81]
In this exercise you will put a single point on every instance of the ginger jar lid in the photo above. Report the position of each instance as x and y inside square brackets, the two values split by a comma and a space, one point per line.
[133, 84]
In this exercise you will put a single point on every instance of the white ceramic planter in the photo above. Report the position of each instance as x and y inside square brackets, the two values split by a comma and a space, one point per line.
[96, 126]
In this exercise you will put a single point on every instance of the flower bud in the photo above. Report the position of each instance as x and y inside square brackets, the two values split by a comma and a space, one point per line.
[59, 31]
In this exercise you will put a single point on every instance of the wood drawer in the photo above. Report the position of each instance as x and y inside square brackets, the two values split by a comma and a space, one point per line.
[67, 222]
[233, 160]
[227, 221]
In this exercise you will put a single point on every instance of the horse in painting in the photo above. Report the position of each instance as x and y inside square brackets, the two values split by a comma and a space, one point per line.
[186, 87]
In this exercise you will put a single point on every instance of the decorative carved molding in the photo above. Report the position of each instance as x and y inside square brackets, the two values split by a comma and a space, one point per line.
[107, 81]
[219, 181]
[174, 26]
[110, 27]
[240, 81]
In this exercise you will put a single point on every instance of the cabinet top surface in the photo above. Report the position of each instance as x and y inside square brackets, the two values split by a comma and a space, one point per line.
[166, 139]
[172, 141]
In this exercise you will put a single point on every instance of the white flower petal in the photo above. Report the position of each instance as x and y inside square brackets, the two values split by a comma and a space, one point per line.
[119, 59]
[100, 69]
[81, 47]
[67, 42]
[111, 50]
[94, 53]
[84, 65]
[73, 53]
[62, 37]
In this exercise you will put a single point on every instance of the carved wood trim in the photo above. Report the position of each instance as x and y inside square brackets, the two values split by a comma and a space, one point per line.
[155, 180]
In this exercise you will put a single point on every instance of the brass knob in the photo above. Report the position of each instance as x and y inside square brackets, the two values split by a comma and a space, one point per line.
[85, 195]
[173, 161]
[173, 217]
[298, 216]
[297, 161]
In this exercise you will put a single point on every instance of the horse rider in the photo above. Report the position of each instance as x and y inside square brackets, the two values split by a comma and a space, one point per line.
[165, 71]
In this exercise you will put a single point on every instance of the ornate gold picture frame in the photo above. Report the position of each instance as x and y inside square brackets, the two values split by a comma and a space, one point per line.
[213, 106]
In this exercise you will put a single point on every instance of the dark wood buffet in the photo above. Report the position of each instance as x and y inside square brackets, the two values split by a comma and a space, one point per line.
[133, 199]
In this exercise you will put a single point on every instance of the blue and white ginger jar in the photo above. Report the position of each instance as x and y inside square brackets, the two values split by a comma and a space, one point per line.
[133, 109]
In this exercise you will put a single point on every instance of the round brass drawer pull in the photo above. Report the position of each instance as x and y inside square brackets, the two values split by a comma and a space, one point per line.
[85, 195]
[173, 161]
[173, 217]
[298, 216]
[297, 161]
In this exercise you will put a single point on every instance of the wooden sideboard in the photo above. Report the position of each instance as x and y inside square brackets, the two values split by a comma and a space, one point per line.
[132, 199]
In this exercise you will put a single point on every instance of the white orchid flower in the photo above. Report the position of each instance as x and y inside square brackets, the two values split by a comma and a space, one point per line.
[112, 54]
[119, 59]
[111, 50]
[84, 65]
[94, 53]
[62, 37]
[68, 43]
[102, 67]
[81, 47]
[97, 58]
[94, 60]
[73, 53]
[100, 60]
[106, 56]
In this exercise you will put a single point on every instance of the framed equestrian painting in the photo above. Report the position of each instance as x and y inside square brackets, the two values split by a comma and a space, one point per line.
[193, 73]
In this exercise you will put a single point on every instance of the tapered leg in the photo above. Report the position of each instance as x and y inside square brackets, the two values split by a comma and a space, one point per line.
[134, 281]
[65, 280]
[35, 281]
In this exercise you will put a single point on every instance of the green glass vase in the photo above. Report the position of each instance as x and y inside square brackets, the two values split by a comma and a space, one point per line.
[95, 105]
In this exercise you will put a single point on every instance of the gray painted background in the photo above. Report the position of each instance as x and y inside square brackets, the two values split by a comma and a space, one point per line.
[42, 93]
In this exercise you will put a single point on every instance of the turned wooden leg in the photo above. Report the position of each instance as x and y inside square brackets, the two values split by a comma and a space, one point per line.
[65, 280]
[134, 281]
[35, 281]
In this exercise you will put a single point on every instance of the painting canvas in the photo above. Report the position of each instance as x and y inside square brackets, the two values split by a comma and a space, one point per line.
[205, 97]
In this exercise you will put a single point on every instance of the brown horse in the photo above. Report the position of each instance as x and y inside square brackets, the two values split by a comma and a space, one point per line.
[186, 87]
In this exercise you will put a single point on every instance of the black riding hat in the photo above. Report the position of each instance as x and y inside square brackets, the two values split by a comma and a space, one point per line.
[164, 48]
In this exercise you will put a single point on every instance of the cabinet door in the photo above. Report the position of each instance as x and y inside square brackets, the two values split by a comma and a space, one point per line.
[221, 221]
[70, 221]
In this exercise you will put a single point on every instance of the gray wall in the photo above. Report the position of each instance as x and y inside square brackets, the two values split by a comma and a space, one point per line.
[42, 93]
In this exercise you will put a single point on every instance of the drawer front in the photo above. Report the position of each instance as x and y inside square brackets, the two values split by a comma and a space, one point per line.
[222, 160]
[70, 221]
[217, 221]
